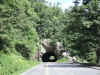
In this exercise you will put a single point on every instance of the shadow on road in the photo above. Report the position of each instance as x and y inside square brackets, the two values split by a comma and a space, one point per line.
[73, 65]
[66, 65]
[93, 66]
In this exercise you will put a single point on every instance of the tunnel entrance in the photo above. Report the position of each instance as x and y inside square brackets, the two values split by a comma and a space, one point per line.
[49, 57]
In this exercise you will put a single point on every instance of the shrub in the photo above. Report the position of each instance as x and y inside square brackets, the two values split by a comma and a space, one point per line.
[91, 57]
[25, 51]
[4, 43]
[13, 64]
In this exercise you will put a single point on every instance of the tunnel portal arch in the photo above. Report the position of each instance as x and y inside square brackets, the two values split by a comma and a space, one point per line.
[46, 57]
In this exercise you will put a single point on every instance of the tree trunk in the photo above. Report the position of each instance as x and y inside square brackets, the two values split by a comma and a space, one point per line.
[98, 56]
[36, 55]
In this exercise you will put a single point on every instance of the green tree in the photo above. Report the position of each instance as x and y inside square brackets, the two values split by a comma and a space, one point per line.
[18, 21]
[83, 30]
[51, 23]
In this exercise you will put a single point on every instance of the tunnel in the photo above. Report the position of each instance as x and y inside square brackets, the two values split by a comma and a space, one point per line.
[49, 57]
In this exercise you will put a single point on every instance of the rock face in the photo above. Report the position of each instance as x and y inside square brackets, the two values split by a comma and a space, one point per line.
[50, 48]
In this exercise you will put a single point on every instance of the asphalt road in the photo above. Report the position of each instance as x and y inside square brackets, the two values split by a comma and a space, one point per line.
[62, 69]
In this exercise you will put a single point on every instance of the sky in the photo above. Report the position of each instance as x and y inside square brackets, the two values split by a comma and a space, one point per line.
[65, 4]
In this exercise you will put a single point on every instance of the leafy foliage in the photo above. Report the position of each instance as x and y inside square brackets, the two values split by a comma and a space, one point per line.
[50, 24]
[18, 22]
[13, 64]
[18, 37]
[83, 30]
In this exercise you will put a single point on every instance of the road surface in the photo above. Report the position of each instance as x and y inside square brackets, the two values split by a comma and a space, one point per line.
[62, 69]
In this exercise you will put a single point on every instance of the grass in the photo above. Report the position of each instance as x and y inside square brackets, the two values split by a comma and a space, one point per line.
[14, 65]
[62, 60]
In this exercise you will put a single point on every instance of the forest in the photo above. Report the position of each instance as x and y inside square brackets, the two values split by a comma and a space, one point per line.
[25, 23]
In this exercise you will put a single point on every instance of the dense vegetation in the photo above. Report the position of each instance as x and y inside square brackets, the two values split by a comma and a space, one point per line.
[24, 23]
[83, 31]
[18, 37]
[77, 28]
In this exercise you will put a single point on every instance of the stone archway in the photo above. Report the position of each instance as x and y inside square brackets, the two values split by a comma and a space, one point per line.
[47, 57]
